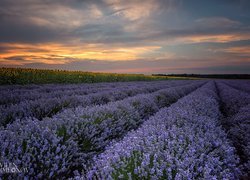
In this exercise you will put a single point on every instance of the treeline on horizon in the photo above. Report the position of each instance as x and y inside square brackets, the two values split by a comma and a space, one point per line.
[216, 76]
[9, 76]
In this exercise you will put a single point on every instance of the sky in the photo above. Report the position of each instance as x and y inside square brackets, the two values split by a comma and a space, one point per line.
[129, 36]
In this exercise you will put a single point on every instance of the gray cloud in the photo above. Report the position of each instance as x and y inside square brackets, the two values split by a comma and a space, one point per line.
[13, 30]
[126, 24]
[64, 21]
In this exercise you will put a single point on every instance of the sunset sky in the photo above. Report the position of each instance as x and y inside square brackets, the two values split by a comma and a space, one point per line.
[129, 36]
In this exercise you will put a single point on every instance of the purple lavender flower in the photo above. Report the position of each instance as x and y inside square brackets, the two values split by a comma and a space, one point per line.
[182, 141]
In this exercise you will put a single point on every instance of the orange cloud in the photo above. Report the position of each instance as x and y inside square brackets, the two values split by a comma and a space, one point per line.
[220, 38]
[242, 51]
[52, 53]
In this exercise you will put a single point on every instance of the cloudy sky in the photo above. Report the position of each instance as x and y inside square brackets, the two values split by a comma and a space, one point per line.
[129, 36]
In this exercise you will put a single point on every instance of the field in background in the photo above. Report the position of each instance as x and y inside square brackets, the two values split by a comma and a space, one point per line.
[38, 76]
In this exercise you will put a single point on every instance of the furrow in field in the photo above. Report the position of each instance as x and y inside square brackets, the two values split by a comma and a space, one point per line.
[8, 97]
[235, 105]
[242, 85]
[47, 107]
[68, 140]
[183, 141]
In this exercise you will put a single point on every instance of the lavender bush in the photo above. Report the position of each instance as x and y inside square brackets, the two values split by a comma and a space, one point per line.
[79, 134]
[184, 141]
[243, 85]
[36, 148]
[100, 124]
[136, 130]
[10, 96]
[48, 106]
[236, 106]
[232, 99]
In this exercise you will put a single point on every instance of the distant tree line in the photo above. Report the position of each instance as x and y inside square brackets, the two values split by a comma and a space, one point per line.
[216, 76]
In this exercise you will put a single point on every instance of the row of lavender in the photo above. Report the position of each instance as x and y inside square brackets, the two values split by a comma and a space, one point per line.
[47, 106]
[184, 141]
[242, 85]
[55, 146]
[236, 109]
[14, 97]
[10, 95]
[59, 87]
[100, 124]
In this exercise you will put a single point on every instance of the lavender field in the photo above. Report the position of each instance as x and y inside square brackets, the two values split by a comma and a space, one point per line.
[176, 129]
